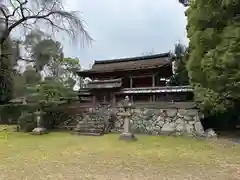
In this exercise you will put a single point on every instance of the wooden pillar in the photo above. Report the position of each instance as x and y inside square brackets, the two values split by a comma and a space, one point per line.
[131, 81]
[94, 101]
[153, 80]
[131, 86]
[153, 85]
[104, 98]
[153, 97]
[113, 100]
[131, 98]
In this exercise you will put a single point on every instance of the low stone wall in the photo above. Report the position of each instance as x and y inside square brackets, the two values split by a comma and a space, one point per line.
[157, 121]
[156, 118]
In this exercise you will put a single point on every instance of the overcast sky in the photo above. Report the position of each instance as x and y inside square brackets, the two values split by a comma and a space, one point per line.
[125, 28]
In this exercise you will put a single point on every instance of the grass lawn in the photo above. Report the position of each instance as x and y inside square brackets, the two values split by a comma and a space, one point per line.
[62, 156]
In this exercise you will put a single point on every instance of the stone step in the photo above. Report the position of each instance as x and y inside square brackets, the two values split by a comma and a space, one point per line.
[89, 130]
[88, 134]
[65, 127]
[92, 122]
[90, 126]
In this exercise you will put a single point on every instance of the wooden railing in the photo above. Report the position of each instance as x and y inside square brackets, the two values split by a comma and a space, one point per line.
[164, 105]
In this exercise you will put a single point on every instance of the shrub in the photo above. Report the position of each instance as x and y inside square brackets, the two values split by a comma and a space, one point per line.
[9, 111]
[54, 115]
[26, 122]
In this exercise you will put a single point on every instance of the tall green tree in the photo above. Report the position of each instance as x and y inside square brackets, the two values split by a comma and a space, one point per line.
[7, 71]
[180, 55]
[48, 53]
[214, 32]
[15, 14]
[30, 76]
[70, 68]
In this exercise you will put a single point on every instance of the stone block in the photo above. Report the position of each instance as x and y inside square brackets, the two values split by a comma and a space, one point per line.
[178, 133]
[39, 131]
[188, 118]
[171, 112]
[191, 112]
[149, 128]
[160, 123]
[199, 128]
[181, 128]
[168, 128]
[196, 118]
[191, 122]
[182, 112]
[210, 133]
[189, 129]
[127, 137]
[180, 121]
[168, 119]
[137, 111]
[160, 118]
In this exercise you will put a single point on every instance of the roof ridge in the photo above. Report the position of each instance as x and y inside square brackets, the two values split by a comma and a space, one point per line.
[136, 58]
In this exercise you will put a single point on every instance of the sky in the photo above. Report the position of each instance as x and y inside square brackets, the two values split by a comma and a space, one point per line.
[127, 28]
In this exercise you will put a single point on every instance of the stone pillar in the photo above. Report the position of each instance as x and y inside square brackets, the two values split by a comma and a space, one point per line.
[127, 135]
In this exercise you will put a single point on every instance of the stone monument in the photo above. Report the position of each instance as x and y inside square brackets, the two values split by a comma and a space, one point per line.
[127, 135]
[39, 130]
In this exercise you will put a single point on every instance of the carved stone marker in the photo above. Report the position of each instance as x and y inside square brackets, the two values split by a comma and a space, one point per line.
[127, 134]
[39, 130]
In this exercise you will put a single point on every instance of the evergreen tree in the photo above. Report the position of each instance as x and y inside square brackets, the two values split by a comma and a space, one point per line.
[180, 78]
[213, 65]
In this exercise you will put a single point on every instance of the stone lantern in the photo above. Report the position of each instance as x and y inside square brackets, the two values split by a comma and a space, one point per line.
[127, 134]
[39, 130]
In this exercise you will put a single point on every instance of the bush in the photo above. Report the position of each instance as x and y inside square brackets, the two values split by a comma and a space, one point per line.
[9, 111]
[54, 115]
[26, 122]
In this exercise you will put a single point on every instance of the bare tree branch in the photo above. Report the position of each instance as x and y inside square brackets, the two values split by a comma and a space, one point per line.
[26, 59]
[21, 4]
[55, 16]
[15, 9]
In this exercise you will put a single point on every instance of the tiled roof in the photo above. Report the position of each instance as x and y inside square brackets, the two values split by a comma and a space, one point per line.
[134, 63]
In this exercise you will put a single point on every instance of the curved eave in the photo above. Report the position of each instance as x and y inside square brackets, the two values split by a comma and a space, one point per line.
[90, 72]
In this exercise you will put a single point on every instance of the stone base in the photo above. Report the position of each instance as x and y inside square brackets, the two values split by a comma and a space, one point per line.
[39, 131]
[127, 137]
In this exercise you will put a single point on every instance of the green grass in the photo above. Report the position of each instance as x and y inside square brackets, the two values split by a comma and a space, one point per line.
[61, 155]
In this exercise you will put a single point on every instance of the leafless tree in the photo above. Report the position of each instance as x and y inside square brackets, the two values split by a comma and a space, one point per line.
[51, 13]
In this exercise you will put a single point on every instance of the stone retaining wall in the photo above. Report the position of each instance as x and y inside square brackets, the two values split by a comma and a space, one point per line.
[169, 118]
[174, 121]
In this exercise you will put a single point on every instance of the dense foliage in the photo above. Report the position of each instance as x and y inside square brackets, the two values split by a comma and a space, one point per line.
[41, 92]
[7, 71]
[27, 15]
[180, 55]
[214, 51]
